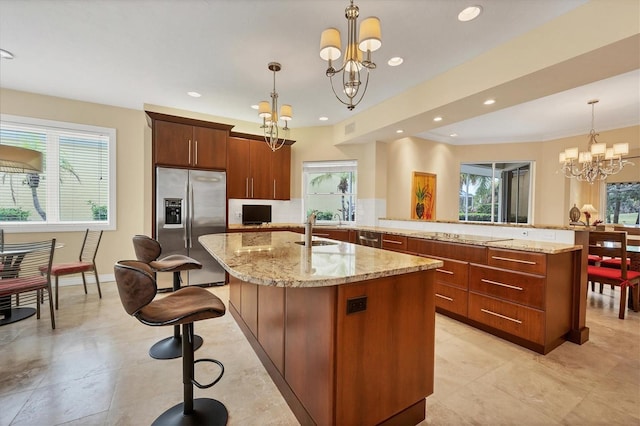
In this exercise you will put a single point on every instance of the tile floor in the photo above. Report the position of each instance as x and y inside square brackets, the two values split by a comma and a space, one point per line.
[94, 370]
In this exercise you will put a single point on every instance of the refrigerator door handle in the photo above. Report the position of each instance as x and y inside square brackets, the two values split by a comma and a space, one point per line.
[191, 215]
[185, 219]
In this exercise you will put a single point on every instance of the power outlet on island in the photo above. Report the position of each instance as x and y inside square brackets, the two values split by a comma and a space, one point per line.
[356, 304]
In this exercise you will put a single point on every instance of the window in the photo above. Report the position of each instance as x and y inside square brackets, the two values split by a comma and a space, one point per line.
[330, 190]
[623, 203]
[495, 192]
[76, 188]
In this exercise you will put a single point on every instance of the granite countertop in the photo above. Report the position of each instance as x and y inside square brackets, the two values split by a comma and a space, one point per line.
[275, 259]
[478, 240]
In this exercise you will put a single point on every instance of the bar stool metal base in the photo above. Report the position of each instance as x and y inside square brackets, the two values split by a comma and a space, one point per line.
[171, 347]
[205, 412]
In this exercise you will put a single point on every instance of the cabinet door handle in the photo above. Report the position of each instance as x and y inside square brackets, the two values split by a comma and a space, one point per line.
[508, 259]
[502, 284]
[320, 235]
[370, 240]
[444, 271]
[495, 314]
[251, 187]
[189, 151]
[274, 189]
[444, 297]
[246, 188]
[391, 241]
[196, 154]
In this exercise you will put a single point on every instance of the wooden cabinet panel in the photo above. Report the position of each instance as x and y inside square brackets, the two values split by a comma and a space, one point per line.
[271, 323]
[394, 242]
[518, 320]
[451, 299]
[463, 252]
[234, 292]
[238, 168]
[333, 234]
[453, 272]
[172, 143]
[281, 173]
[515, 287]
[533, 263]
[256, 172]
[209, 148]
[249, 306]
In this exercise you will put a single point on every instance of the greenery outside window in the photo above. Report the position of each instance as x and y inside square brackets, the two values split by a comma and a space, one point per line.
[76, 188]
[623, 203]
[495, 192]
[330, 190]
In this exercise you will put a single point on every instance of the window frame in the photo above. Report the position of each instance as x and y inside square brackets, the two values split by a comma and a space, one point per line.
[51, 127]
[330, 166]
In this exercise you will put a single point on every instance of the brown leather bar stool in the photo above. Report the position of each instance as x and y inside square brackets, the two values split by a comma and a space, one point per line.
[148, 251]
[137, 289]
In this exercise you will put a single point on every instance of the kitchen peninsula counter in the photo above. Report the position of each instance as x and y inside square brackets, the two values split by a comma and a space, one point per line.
[345, 331]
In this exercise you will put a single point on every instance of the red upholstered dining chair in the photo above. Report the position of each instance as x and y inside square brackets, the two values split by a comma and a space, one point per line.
[613, 244]
[86, 262]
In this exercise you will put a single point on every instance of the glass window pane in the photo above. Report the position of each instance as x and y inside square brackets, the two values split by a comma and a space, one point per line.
[330, 190]
[623, 203]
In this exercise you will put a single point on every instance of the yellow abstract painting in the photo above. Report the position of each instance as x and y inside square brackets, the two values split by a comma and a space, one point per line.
[423, 196]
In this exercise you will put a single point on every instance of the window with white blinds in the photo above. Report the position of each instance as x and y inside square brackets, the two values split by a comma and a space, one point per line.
[76, 188]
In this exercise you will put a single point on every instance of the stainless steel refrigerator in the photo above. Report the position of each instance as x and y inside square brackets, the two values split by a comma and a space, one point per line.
[190, 203]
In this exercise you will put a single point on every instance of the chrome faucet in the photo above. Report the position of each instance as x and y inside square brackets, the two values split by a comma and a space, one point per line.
[339, 218]
[308, 228]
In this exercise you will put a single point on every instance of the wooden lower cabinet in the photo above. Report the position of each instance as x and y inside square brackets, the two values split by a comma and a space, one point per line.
[451, 299]
[315, 351]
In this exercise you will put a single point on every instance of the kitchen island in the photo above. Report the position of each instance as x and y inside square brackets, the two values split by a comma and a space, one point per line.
[345, 331]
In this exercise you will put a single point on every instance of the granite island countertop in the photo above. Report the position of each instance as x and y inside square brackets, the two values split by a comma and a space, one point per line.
[277, 259]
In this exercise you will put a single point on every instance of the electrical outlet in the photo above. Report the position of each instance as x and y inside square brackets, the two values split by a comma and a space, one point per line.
[239, 215]
[524, 233]
[357, 304]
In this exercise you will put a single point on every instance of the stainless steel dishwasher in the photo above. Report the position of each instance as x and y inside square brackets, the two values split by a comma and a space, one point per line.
[369, 238]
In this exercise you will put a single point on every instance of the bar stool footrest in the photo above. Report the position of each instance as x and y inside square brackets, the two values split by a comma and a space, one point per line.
[171, 347]
[216, 380]
[205, 412]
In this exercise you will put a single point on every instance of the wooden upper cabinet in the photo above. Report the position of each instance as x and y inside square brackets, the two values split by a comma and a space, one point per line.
[255, 172]
[178, 143]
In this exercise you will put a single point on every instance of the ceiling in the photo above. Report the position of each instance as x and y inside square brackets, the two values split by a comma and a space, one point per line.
[128, 53]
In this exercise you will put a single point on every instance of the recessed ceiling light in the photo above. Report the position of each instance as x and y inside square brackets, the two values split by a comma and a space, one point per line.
[454, 135]
[395, 61]
[469, 13]
[490, 102]
[5, 54]
[194, 94]
[323, 118]
[438, 118]
[254, 107]
[399, 131]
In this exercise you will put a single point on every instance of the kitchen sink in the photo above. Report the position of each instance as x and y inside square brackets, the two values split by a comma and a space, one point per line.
[318, 243]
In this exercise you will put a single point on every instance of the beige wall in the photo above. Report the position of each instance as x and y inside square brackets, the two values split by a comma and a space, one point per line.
[553, 193]
[384, 169]
[131, 172]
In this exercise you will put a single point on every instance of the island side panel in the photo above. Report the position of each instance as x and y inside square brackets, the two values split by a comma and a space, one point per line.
[385, 354]
[309, 349]
[271, 323]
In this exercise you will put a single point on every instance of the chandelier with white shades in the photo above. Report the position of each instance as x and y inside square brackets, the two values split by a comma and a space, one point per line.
[354, 67]
[598, 162]
[269, 114]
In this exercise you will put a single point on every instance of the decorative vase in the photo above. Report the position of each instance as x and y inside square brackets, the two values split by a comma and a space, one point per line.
[419, 210]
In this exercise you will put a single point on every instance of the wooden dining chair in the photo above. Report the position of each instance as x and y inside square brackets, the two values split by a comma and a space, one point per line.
[22, 275]
[613, 244]
[86, 262]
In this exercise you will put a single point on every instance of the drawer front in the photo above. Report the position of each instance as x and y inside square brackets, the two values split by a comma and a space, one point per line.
[511, 286]
[453, 272]
[521, 261]
[464, 252]
[518, 320]
[394, 242]
[451, 299]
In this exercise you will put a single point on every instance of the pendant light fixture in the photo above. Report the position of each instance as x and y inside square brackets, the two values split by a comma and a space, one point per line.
[598, 162]
[354, 65]
[269, 114]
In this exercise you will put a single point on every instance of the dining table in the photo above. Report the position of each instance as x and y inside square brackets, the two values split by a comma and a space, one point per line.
[11, 257]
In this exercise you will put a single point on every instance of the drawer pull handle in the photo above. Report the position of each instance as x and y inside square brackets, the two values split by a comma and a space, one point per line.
[508, 259]
[444, 271]
[391, 241]
[444, 297]
[502, 284]
[320, 235]
[486, 311]
[371, 240]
